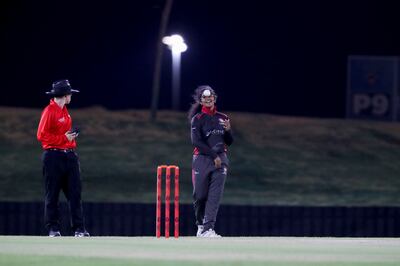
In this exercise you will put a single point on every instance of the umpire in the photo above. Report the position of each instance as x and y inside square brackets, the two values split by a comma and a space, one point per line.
[61, 169]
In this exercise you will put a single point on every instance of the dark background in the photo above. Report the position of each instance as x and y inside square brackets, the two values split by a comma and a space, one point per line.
[283, 57]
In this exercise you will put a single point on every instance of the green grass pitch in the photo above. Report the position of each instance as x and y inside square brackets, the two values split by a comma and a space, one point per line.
[149, 251]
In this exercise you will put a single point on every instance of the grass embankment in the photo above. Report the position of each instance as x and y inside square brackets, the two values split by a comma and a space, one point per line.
[274, 160]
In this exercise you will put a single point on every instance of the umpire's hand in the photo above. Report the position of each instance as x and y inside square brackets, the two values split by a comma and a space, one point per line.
[71, 135]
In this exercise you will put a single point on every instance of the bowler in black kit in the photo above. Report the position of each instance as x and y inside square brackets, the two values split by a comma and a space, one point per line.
[210, 135]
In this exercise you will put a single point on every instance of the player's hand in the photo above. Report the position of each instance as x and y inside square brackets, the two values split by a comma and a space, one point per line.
[226, 124]
[71, 136]
[217, 162]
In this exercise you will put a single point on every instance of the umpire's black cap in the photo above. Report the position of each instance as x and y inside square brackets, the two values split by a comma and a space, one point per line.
[61, 88]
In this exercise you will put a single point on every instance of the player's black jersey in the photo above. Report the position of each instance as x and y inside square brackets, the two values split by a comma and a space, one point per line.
[208, 135]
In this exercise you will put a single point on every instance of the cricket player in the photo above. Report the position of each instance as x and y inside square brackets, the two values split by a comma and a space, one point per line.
[210, 135]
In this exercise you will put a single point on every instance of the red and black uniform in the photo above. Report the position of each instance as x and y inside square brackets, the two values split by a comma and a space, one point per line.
[210, 140]
[61, 169]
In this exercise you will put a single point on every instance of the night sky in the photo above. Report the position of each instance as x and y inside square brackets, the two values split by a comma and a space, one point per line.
[280, 57]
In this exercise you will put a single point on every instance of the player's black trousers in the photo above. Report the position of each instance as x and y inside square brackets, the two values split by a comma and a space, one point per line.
[208, 187]
[61, 171]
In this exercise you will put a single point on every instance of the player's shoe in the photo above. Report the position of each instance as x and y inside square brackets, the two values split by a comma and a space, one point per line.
[81, 233]
[199, 230]
[210, 233]
[54, 233]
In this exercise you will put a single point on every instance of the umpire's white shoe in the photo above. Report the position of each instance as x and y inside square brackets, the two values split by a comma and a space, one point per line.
[55, 233]
[199, 230]
[209, 233]
[81, 233]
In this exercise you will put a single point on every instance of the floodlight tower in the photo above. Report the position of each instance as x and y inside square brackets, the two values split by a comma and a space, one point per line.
[177, 46]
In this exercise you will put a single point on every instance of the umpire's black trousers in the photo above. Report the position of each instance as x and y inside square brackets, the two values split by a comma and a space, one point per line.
[61, 171]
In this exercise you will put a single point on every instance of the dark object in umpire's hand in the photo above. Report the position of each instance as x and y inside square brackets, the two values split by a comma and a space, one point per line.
[75, 130]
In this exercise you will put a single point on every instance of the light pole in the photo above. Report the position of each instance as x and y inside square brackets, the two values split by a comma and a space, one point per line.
[177, 46]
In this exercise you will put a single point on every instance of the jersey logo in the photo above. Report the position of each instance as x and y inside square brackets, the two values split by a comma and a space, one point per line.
[215, 132]
[225, 170]
[61, 120]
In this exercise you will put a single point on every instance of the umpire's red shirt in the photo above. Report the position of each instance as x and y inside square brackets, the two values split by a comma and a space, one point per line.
[53, 125]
